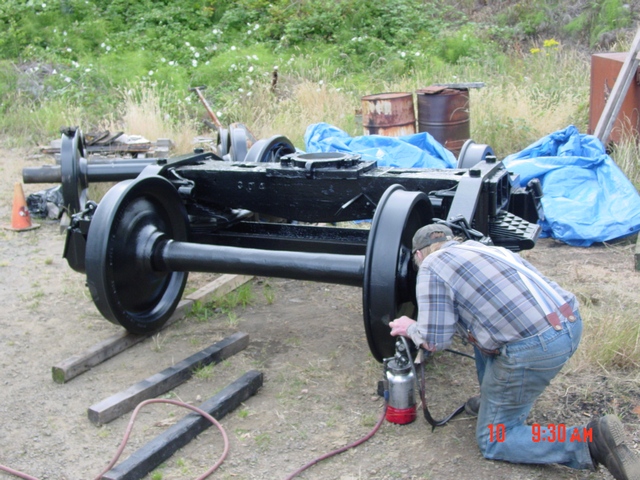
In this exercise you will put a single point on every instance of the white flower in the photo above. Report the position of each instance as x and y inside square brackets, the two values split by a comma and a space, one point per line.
[187, 44]
[207, 62]
[54, 72]
[171, 63]
[197, 55]
[249, 94]
[163, 60]
[150, 72]
[250, 69]
[218, 114]
[68, 49]
[241, 90]
[256, 26]
[215, 47]
[64, 33]
[44, 5]
[193, 49]
[275, 67]
[102, 44]
[194, 62]
[108, 48]
[87, 70]
[417, 54]
[249, 32]
[255, 57]
[233, 47]
[67, 79]
[320, 82]
[402, 54]
[250, 82]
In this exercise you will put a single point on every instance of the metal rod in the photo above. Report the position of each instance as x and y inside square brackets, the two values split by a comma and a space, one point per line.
[206, 106]
[320, 267]
[101, 172]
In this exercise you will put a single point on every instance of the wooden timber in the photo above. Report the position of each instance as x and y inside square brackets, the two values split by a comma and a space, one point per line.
[149, 456]
[123, 402]
[110, 347]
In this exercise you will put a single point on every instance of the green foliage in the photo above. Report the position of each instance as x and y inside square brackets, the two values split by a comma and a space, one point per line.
[599, 18]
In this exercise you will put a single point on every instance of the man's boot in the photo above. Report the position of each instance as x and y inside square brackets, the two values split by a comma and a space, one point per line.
[608, 448]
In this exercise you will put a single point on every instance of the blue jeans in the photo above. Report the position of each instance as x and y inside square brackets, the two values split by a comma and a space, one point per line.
[510, 383]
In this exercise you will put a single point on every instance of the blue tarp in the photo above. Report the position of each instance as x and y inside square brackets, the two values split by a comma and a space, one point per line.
[586, 197]
[419, 150]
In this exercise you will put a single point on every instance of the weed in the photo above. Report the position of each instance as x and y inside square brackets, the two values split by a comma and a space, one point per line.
[368, 420]
[268, 293]
[156, 475]
[204, 373]
[263, 440]
[243, 413]
[202, 312]
[232, 319]
[158, 342]
[48, 261]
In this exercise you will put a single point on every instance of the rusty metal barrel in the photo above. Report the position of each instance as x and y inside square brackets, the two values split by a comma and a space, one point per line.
[444, 113]
[389, 114]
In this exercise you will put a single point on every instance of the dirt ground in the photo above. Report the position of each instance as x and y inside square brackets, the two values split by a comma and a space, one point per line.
[307, 338]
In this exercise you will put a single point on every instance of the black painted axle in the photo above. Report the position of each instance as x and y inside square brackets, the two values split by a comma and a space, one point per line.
[319, 267]
[99, 172]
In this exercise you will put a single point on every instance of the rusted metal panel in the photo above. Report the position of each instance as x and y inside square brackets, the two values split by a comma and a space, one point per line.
[605, 68]
[389, 114]
[444, 113]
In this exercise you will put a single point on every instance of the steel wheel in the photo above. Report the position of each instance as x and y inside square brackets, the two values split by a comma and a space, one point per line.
[129, 222]
[389, 278]
[269, 150]
[73, 172]
[472, 153]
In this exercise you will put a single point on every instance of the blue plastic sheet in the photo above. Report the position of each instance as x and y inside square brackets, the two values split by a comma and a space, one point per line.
[586, 197]
[419, 150]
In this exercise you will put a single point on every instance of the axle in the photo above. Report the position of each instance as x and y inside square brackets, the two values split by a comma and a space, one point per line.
[100, 172]
[174, 256]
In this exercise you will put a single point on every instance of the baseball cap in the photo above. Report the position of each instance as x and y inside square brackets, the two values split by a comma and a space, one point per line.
[430, 234]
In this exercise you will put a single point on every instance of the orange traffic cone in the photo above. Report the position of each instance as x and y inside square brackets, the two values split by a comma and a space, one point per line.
[20, 217]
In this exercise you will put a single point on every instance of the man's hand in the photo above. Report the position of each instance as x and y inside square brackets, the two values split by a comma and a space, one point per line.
[399, 326]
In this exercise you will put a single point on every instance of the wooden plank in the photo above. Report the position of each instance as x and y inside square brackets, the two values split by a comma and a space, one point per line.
[149, 456]
[618, 92]
[78, 364]
[117, 343]
[218, 288]
[117, 405]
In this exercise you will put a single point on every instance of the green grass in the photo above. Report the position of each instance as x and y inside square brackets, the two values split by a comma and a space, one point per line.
[204, 373]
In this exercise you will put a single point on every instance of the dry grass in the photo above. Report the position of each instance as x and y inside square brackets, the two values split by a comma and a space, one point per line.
[144, 111]
[296, 104]
[626, 154]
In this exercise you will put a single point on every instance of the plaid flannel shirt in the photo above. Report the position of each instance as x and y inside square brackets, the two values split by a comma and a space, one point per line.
[468, 292]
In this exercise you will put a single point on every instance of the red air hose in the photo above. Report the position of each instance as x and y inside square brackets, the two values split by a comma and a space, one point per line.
[345, 448]
[127, 433]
